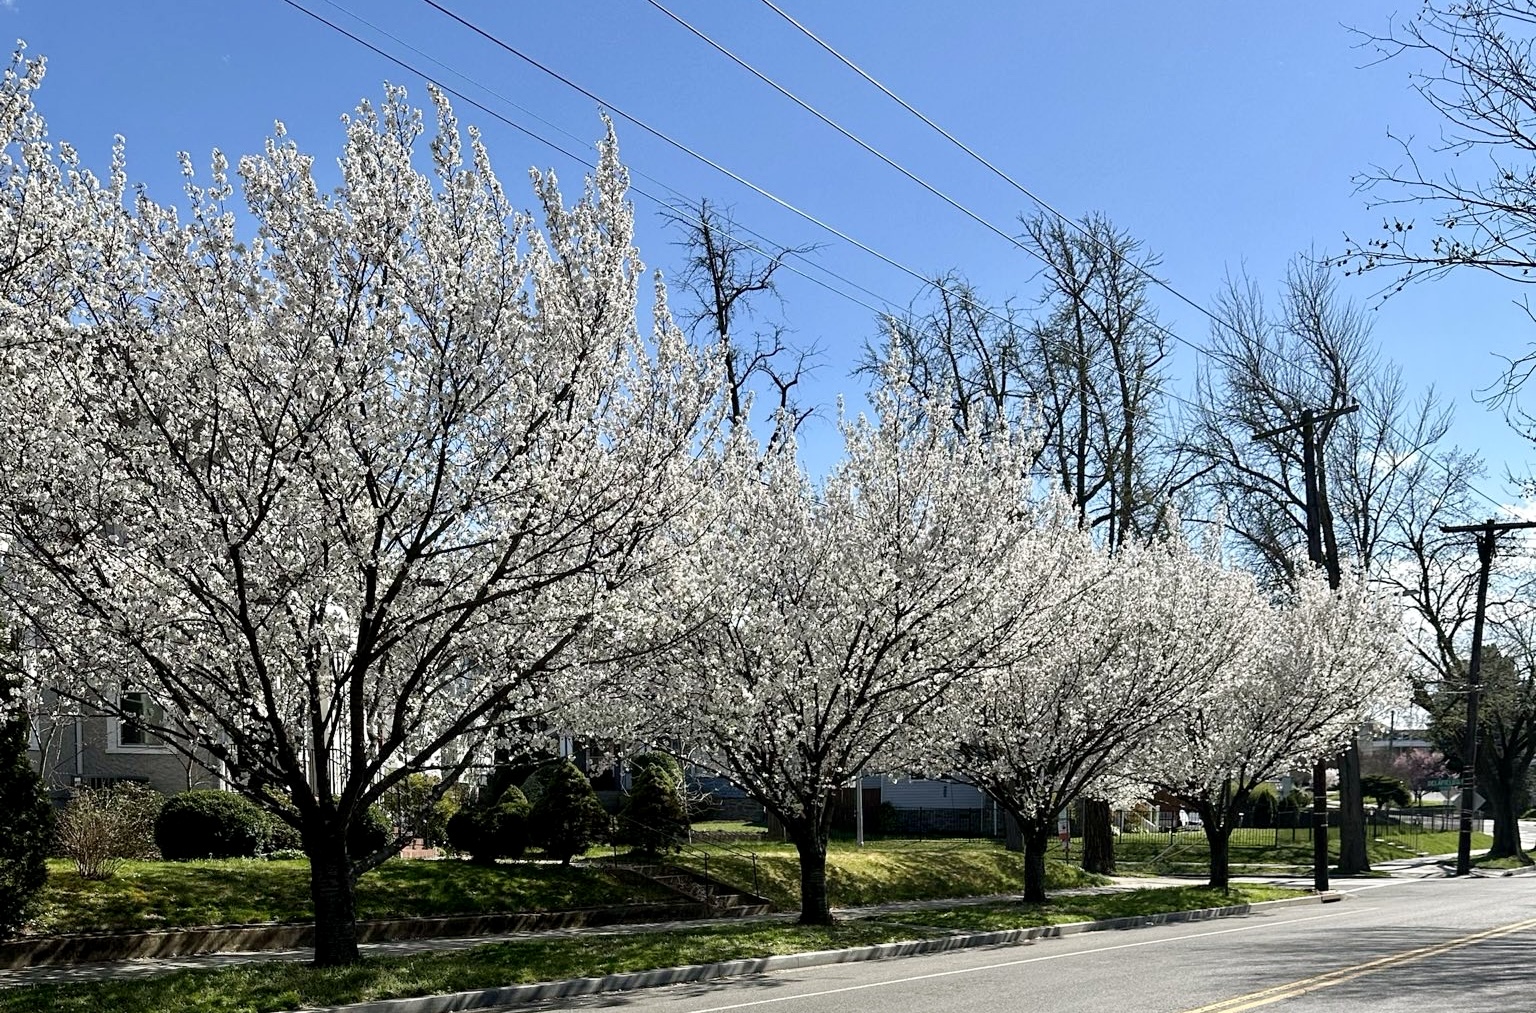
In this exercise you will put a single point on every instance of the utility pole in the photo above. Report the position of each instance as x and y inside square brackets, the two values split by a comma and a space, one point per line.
[1309, 455]
[1487, 533]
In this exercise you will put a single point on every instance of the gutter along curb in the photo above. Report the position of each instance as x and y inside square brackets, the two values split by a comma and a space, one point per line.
[629, 981]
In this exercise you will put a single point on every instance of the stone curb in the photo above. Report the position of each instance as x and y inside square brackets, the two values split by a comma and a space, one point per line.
[511, 994]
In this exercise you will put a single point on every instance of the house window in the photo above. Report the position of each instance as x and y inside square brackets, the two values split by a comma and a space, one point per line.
[138, 712]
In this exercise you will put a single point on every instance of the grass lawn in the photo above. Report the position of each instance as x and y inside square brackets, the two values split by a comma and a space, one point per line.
[889, 870]
[259, 988]
[1081, 908]
[1499, 863]
[151, 895]
[1153, 849]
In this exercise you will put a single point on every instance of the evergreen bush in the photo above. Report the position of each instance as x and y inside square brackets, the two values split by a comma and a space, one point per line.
[26, 824]
[653, 819]
[369, 832]
[488, 830]
[567, 818]
[210, 824]
[534, 784]
[1263, 802]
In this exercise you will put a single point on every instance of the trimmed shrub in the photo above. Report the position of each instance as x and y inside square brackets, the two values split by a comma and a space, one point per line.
[26, 829]
[1263, 802]
[490, 831]
[101, 828]
[653, 819]
[665, 764]
[280, 835]
[466, 833]
[1385, 790]
[534, 784]
[369, 832]
[567, 818]
[1299, 800]
[508, 820]
[210, 824]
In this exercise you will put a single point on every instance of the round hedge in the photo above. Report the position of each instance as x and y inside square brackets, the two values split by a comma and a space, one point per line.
[488, 831]
[369, 832]
[210, 824]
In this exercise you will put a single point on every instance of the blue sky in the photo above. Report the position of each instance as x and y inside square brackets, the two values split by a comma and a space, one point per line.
[1223, 135]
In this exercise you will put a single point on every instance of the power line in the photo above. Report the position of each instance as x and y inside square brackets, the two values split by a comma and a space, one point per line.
[663, 136]
[668, 139]
[1010, 180]
[681, 209]
[920, 181]
[782, 202]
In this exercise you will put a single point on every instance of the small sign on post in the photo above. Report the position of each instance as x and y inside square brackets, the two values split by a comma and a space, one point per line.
[1064, 831]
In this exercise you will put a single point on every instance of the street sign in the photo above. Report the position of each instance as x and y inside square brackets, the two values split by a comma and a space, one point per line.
[1442, 783]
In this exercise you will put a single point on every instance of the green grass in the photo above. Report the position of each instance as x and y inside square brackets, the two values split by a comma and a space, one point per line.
[1500, 863]
[150, 895]
[885, 871]
[1090, 907]
[731, 827]
[264, 987]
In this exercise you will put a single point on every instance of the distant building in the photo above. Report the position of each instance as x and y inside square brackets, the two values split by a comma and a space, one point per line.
[75, 748]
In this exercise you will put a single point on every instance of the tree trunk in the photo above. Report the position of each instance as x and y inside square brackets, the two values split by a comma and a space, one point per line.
[1220, 839]
[1098, 837]
[1037, 838]
[1505, 801]
[811, 845]
[1353, 858]
[331, 886]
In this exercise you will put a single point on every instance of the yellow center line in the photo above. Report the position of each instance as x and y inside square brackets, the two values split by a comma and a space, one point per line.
[1253, 1000]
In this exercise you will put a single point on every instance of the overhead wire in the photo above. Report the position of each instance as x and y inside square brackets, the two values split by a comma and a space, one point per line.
[813, 219]
[682, 209]
[890, 303]
[1041, 202]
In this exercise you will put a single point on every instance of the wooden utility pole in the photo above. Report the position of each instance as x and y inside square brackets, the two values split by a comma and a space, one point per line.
[1487, 533]
[1309, 455]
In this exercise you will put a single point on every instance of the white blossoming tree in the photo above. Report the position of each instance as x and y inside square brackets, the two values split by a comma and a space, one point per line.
[1087, 684]
[1300, 678]
[344, 482]
[823, 623]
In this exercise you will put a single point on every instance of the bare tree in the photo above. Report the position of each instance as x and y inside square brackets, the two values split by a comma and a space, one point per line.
[1314, 353]
[1477, 70]
[1086, 367]
[981, 355]
[1101, 353]
[725, 275]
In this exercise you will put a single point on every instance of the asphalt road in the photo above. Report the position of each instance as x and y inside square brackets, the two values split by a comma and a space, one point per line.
[1397, 947]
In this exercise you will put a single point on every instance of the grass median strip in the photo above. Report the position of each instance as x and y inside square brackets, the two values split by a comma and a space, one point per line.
[272, 986]
[1092, 907]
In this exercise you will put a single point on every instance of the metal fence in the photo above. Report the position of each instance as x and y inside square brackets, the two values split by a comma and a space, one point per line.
[1295, 827]
[982, 823]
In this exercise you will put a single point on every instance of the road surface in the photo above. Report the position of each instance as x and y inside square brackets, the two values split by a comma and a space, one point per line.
[1412, 946]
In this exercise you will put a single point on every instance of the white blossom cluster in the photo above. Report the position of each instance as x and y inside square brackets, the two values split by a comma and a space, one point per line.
[401, 469]
[350, 491]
